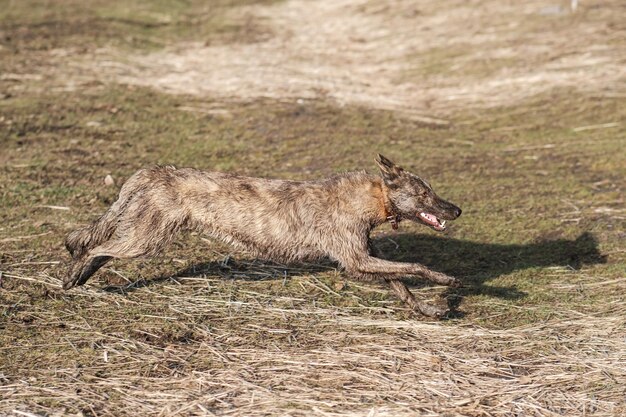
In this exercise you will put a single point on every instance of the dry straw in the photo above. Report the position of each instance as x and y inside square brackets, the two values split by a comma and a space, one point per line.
[242, 351]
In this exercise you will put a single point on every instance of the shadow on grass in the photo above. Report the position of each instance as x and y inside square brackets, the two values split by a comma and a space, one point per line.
[476, 263]
[473, 262]
[231, 268]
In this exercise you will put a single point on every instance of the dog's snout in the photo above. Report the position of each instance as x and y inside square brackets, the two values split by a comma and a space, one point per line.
[457, 212]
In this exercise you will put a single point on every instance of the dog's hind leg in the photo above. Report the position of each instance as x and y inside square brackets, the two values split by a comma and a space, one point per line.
[136, 243]
[81, 269]
[125, 248]
[142, 230]
[145, 218]
[81, 241]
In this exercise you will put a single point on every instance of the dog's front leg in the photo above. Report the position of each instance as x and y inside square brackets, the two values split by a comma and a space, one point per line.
[404, 294]
[358, 262]
[392, 271]
[372, 265]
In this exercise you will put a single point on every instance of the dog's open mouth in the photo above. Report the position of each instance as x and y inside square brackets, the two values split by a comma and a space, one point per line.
[433, 221]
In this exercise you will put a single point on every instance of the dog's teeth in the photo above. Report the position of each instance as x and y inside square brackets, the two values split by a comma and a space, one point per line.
[443, 223]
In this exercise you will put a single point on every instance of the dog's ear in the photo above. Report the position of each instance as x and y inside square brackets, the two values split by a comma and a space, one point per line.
[388, 169]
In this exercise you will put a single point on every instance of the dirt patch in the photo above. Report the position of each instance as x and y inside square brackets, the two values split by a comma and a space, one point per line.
[425, 59]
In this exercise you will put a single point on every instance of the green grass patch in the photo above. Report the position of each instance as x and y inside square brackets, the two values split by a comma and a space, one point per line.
[541, 197]
[32, 25]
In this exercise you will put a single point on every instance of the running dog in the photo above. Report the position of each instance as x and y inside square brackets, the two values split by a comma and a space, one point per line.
[279, 220]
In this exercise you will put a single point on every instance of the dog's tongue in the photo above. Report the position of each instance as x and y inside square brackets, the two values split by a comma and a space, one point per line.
[432, 220]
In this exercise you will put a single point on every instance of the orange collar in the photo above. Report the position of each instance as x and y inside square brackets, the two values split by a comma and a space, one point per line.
[390, 213]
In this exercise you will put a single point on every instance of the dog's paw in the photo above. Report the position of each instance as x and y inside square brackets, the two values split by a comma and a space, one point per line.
[433, 311]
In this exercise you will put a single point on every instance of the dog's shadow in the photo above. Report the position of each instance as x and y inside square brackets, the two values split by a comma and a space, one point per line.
[475, 263]
[234, 269]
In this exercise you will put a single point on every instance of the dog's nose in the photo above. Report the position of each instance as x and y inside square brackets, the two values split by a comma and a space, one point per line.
[458, 212]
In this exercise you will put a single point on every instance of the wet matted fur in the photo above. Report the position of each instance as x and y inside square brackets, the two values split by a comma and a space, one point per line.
[274, 219]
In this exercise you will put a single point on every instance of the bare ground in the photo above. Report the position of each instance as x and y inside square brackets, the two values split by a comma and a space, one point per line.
[421, 58]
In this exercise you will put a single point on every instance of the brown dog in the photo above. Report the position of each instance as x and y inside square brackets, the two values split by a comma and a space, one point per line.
[274, 219]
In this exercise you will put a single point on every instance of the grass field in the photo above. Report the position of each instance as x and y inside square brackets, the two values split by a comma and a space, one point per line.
[518, 120]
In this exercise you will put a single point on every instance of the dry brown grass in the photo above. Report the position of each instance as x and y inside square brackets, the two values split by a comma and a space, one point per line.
[424, 59]
[204, 351]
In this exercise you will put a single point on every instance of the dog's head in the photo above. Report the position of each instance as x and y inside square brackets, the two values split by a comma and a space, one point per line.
[413, 198]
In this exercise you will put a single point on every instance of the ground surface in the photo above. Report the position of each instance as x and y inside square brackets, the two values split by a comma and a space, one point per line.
[514, 112]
